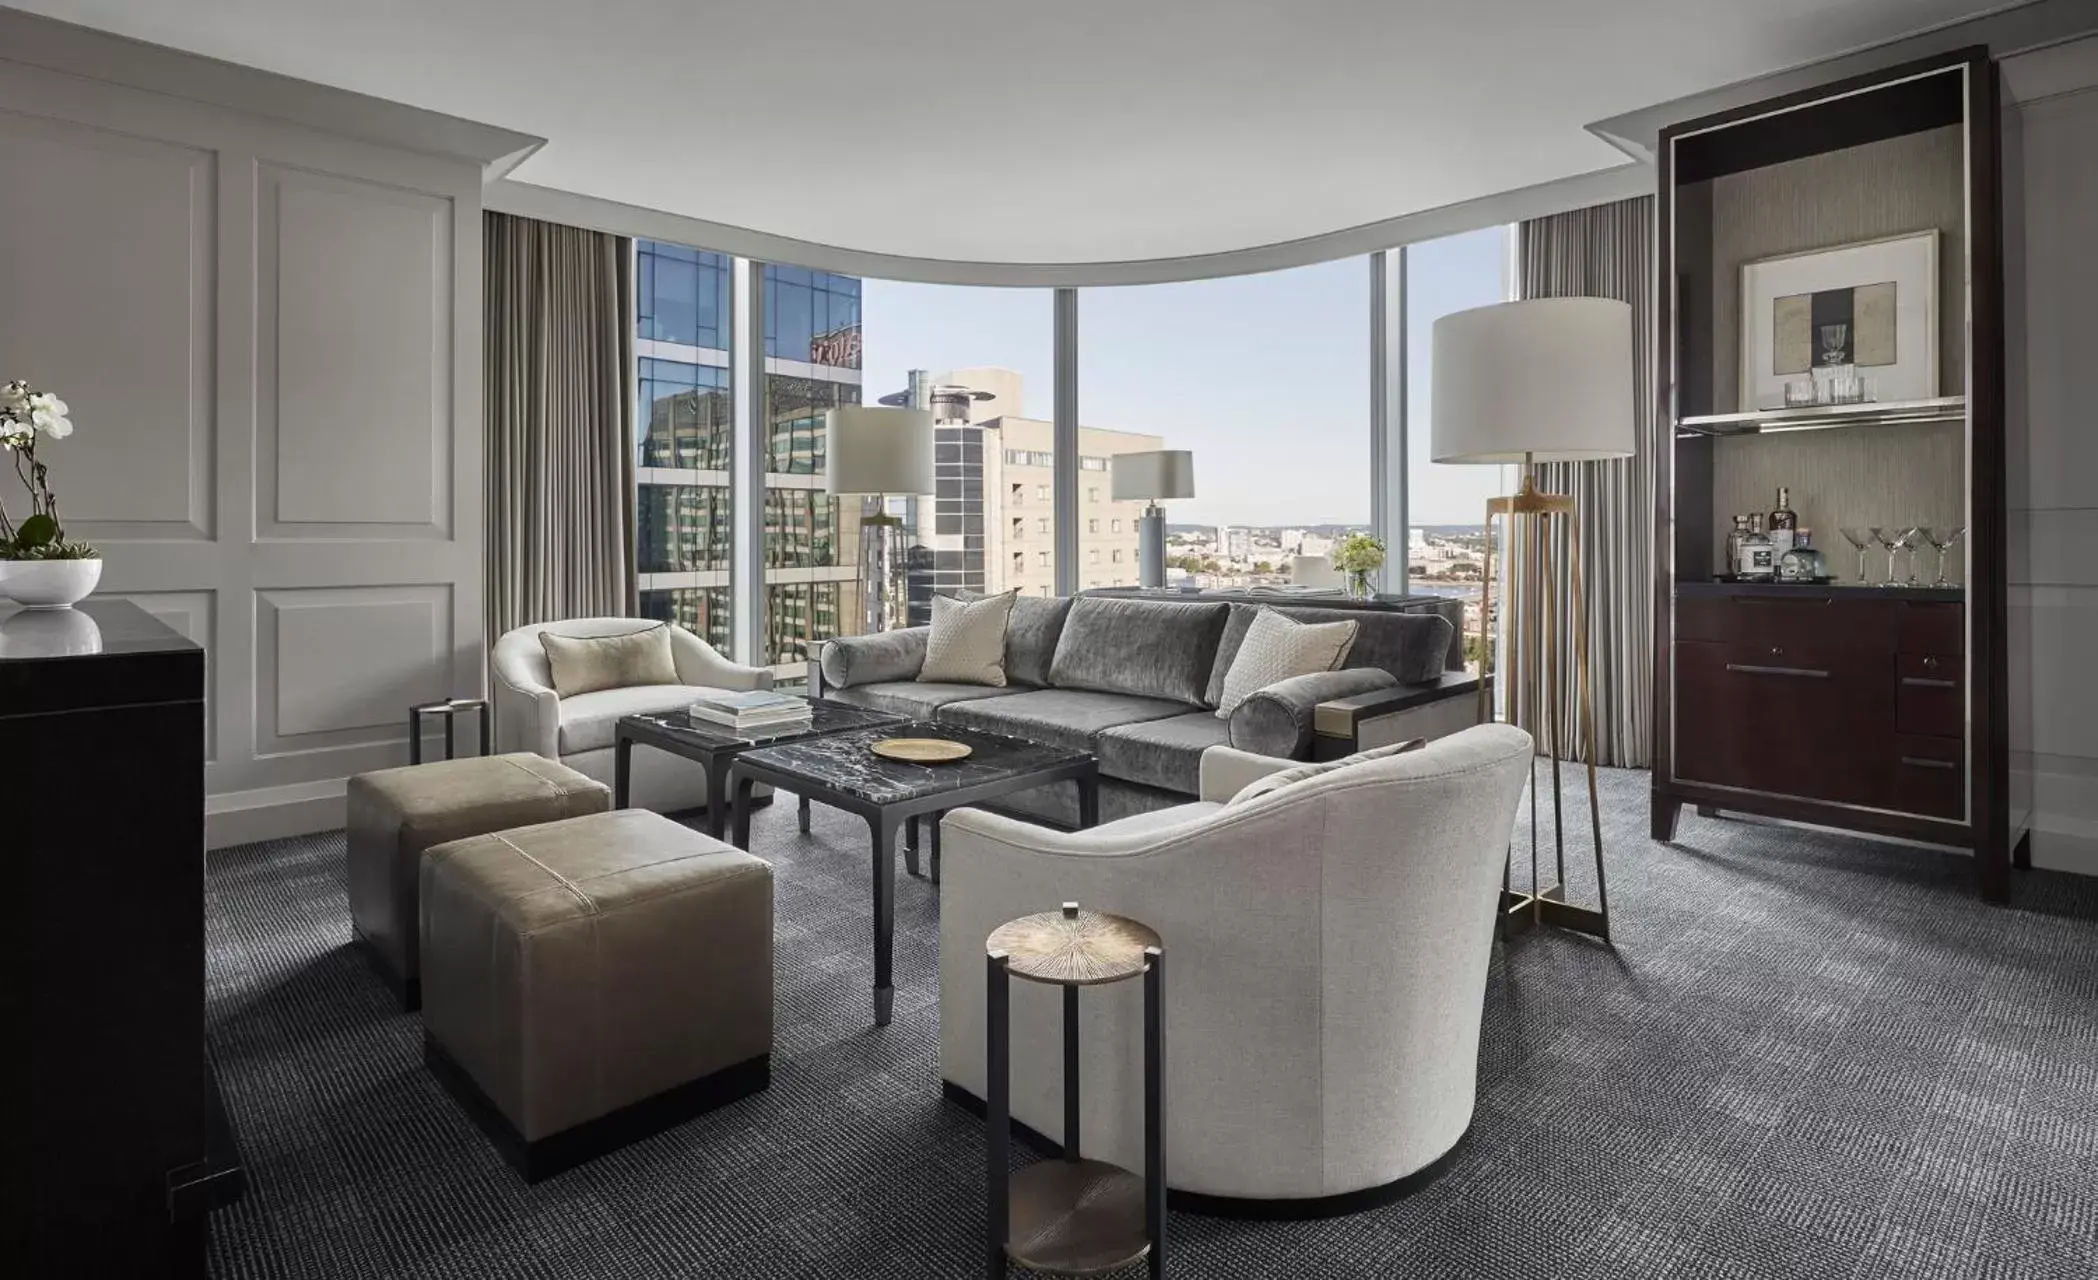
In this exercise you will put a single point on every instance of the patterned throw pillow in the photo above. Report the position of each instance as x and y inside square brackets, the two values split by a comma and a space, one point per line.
[967, 644]
[1278, 648]
[1277, 781]
[585, 664]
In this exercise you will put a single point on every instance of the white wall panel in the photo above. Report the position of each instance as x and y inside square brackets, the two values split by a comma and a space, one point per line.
[336, 660]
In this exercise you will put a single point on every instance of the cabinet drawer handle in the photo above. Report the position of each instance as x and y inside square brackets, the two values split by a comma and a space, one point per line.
[1922, 763]
[1749, 669]
[1925, 682]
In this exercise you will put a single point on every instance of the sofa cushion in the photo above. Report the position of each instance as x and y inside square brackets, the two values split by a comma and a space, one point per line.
[1067, 718]
[586, 664]
[1030, 636]
[1162, 753]
[1147, 648]
[875, 659]
[1414, 647]
[1278, 648]
[916, 699]
[967, 644]
[588, 719]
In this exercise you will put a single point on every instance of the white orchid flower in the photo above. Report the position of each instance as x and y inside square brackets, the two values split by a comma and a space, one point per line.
[14, 398]
[47, 413]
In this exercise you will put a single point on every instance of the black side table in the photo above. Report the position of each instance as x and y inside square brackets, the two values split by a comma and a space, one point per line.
[1072, 1216]
[449, 709]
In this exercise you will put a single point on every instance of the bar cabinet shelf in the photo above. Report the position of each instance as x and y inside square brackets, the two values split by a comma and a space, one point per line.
[1825, 417]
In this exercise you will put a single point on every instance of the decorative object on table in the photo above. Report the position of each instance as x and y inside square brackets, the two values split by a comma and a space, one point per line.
[40, 568]
[1942, 541]
[1070, 1215]
[1359, 555]
[1828, 314]
[449, 709]
[879, 452]
[1152, 478]
[1277, 647]
[921, 750]
[1804, 562]
[967, 642]
[1544, 379]
[750, 710]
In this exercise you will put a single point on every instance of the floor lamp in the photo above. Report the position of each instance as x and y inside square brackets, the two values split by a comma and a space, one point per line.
[878, 453]
[1541, 380]
[1151, 478]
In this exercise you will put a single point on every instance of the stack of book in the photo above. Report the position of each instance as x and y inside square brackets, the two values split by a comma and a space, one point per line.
[759, 711]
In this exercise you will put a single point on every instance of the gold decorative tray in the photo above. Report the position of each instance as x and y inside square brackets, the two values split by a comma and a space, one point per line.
[920, 750]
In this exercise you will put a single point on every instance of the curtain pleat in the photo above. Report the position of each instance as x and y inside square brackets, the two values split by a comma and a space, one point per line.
[559, 410]
[1604, 252]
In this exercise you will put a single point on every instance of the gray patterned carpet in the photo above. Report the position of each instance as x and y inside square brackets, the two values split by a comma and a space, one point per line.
[1810, 1056]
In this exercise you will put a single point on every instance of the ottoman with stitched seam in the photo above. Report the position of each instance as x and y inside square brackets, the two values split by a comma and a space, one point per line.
[592, 981]
[395, 814]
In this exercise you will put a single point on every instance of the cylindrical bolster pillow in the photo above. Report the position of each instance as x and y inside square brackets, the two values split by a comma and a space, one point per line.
[875, 659]
[1277, 720]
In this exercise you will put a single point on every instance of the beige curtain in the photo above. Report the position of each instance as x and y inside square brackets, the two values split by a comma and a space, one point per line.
[1606, 252]
[559, 338]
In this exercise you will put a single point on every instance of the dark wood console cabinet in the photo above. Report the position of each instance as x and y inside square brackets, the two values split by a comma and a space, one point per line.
[1849, 704]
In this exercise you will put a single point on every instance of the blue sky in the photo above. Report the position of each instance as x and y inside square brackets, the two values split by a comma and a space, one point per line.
[1265, 377]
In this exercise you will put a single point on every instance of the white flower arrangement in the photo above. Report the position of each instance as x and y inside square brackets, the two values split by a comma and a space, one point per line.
[27, 415]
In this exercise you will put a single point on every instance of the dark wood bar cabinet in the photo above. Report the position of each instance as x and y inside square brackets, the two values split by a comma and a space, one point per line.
[1831, 304]
[120, 1149]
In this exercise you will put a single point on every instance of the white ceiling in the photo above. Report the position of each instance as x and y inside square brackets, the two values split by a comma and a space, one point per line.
[1048, 131]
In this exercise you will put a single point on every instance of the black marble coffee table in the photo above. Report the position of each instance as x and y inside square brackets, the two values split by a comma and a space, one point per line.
[841, 771]
[714, 746]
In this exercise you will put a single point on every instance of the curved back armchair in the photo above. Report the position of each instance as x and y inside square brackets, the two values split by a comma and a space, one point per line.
[578, 731]
[1326, 952]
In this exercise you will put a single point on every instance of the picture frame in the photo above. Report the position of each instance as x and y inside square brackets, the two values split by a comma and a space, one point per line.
[1870, 307]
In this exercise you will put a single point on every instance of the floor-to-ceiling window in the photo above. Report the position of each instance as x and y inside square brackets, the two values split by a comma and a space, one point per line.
[1266, 378]
[981, 361]
[1446, 503]
[685, 425]
[812, 364]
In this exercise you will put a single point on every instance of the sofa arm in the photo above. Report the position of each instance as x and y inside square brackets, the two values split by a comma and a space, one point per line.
[1227, 771]
[887, 655]
[1281, 719]
[527, 713]
[1431, 709]
[699, 663]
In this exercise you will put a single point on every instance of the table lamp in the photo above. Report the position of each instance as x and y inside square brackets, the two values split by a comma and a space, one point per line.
[1152, 478]
[1541, 380]
[879, 453]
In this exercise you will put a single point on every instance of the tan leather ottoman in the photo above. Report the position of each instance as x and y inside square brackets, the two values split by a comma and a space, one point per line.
[592, 981]
[395, 814]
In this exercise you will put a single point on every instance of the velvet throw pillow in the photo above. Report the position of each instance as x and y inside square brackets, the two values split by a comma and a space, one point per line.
[1277, 781]
[967, 641]
[1278, 648]
[586, 664]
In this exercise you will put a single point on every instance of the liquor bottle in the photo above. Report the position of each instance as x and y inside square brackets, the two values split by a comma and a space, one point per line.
[1803, 563]
[1733, 546]
[1758, 559]
[1784, 523]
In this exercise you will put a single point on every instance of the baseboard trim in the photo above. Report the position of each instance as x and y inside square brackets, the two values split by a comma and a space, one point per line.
[1294, 1209]
[273, 813]
[2075, 852]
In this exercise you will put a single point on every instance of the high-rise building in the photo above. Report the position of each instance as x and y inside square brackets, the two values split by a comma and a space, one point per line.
[1236, 541]
[684, 508]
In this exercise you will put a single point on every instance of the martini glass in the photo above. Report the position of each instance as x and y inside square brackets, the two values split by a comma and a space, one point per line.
[1942, 541]
[1908, 540]
[1889, 540]
[1860, 539]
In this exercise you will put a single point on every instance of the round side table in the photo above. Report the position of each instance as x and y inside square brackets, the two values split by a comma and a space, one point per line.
[1072, 1216]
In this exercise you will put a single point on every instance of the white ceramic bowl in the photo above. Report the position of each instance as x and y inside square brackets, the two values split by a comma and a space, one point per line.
[49, 584]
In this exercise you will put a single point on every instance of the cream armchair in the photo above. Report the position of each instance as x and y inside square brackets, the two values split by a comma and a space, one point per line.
[530, 716]
[1326, 948]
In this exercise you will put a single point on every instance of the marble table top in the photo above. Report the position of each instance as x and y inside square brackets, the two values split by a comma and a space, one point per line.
[843, 762]
[825, 718]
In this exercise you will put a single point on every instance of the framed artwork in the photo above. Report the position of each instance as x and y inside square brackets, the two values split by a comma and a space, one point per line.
[1873, 305]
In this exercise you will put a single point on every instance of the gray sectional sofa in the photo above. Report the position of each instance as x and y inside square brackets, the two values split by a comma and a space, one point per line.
[1136, 682]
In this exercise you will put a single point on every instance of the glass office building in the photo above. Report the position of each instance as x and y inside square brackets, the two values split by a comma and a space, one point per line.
[684, 345]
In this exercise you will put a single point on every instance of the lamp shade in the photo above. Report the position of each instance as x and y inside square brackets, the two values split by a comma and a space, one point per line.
[869, 450]
[1148, 477]
[1546, 378]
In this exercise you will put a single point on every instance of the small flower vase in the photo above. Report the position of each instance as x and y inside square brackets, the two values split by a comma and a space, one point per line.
[1359, 587]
